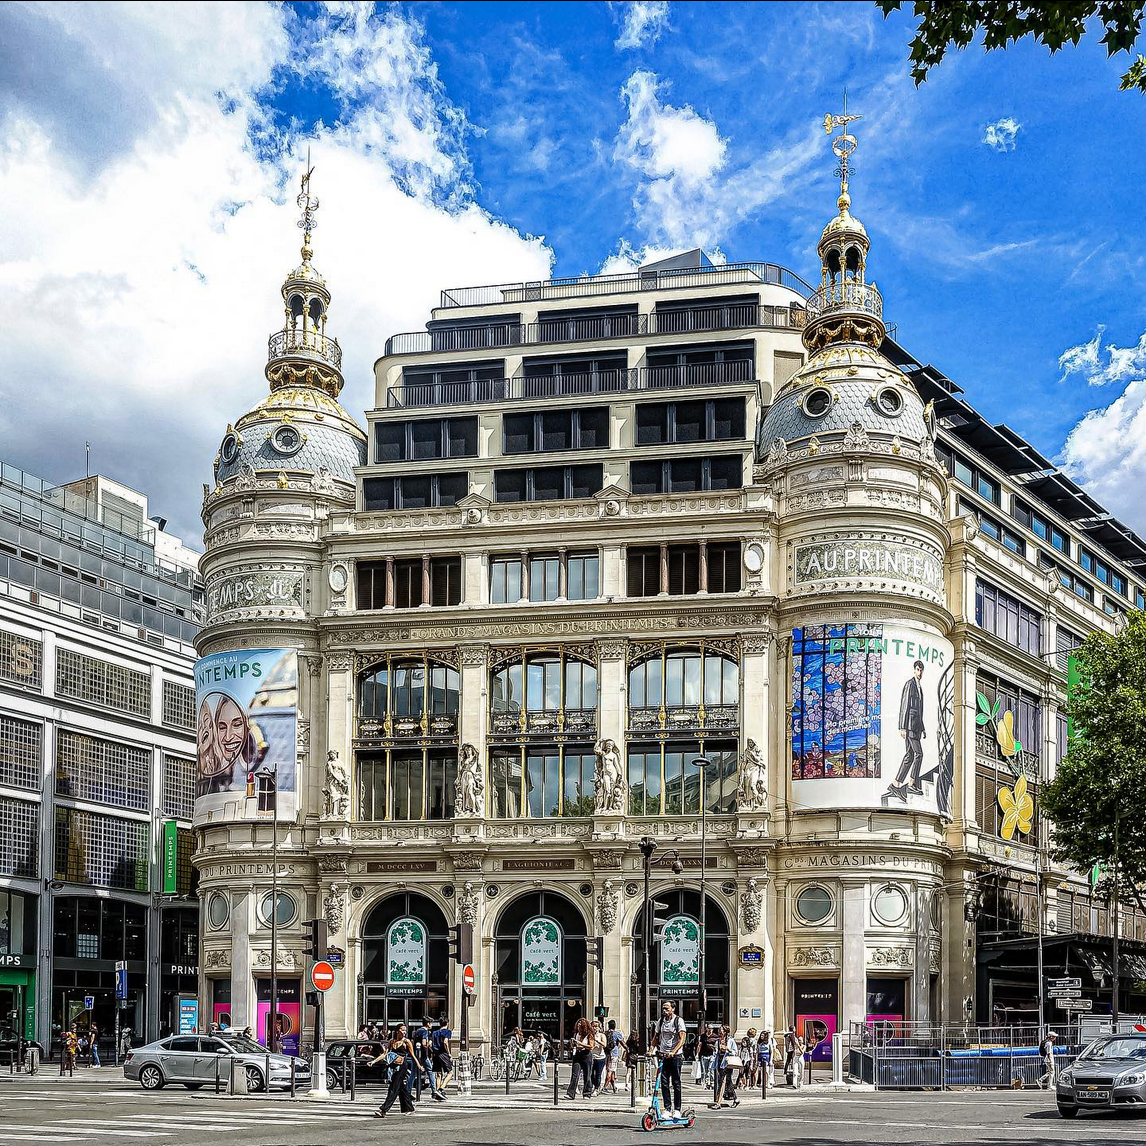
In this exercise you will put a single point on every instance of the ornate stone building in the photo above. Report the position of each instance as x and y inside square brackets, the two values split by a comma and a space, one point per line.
[600, 528]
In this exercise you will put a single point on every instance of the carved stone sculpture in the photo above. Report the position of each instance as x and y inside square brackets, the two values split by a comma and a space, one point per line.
[336, 790]
[332, 908]
[609, 798]
[468, 905]
[607, 907]
[752, 902]
[469, 788]
[752, 793]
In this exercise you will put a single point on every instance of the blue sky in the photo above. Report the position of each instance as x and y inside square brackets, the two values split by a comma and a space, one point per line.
[148, 156]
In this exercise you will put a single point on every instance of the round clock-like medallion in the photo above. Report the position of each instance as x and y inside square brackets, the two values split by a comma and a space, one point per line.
[229, 449]
[754, 557]
[286, 439]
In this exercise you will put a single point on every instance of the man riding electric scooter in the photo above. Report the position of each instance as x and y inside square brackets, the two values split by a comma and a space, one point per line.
[665, 1111]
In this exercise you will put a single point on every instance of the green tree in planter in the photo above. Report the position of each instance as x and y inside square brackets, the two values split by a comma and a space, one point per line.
[1102, 780]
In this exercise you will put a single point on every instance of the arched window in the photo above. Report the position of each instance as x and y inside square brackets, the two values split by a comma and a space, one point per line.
[405, 960]
[854, 261]
[674, 965]
[409, 688]
[540, 964]
[315, 310]
[297, 305]
[544, 683]
[689, 678]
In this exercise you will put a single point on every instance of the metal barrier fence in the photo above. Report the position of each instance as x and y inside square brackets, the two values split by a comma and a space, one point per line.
[893, 1055]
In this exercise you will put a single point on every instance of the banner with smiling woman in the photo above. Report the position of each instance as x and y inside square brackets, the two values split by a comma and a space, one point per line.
[247, 706]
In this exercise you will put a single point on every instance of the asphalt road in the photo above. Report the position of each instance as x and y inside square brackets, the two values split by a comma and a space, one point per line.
[101, 1107]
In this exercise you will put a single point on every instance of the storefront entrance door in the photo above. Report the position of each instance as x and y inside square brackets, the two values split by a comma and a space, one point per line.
[554, 1014]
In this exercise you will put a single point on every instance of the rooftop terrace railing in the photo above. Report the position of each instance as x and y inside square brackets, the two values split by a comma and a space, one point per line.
[422, 394]
[593, 285]
[598, 328]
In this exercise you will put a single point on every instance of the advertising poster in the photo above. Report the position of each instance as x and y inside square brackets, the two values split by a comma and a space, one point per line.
[289, 1014]
[246, 704]
[816, 1004]
[873, 717]
[188, 1015]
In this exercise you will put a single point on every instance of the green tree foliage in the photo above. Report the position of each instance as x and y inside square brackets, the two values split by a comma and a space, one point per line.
[942, 26]
[1103, 778]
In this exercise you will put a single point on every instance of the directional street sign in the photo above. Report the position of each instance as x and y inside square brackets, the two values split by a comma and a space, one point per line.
[1074, 1004]
[89, 1002]
[469, 979]
[322, 975]
[1068, 982]
[1064, 993]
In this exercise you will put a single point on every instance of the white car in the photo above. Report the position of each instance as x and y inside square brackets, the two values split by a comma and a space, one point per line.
[197, 1060]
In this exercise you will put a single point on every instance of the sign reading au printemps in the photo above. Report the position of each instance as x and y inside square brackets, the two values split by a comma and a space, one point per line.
[680, 952]
[541, 951]
[406, 957]
[866, 558]
[251, 590]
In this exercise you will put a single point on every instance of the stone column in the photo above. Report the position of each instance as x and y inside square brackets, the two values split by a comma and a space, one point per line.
[339, 724]
[853, 956]
[612, 579]
[426, 589]
[525, 574]
[389, 583]
[664, 578]
[612, 680]
[702, 575]
[474, 716]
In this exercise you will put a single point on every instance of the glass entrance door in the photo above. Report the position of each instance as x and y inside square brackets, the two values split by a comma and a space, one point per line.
[555, 1014]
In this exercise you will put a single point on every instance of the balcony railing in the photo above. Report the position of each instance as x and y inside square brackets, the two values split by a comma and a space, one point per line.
[593, 285]
[296, 342]
[598, 328]
[421, 394]
[849, 296]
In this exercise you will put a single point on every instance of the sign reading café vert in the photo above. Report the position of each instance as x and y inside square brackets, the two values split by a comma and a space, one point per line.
[868, 558]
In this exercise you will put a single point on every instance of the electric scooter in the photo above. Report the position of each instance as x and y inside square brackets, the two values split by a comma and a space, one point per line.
[654, 1118]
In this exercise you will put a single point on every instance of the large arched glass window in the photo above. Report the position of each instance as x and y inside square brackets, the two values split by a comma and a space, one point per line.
[544, 683]
[409, 688]
[684, 686]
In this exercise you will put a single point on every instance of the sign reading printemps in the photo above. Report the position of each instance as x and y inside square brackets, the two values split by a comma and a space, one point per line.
[541, 951]
[862, 558]
[406, 957]
[253, 590]
[680, 954]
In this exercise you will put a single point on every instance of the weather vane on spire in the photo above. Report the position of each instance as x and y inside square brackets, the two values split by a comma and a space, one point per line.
[309, 205]
[844, 143]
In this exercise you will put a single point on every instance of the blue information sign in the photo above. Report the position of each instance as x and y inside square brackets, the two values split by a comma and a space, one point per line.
[89, 1002]
[188, 1016]
[121, 982]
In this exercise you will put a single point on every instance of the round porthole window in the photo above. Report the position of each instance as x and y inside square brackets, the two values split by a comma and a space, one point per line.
[229, 450]
[218, 911]
[813, 905]
[890, 402]
[754, 557]
[286, 440]
[817, 402]
[890, 905]
[284, 913]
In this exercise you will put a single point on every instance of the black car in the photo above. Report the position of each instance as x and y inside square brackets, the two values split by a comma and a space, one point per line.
[1110, 1073]
[340, 1056]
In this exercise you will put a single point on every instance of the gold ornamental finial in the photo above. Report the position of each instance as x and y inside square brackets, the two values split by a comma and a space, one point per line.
[309, 206]
[842, 146]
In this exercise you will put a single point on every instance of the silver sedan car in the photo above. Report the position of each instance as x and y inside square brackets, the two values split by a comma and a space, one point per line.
[1110, 1073]
[197, 1060]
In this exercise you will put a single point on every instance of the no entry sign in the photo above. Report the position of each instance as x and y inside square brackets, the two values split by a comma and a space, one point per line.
[322, 975]
[469, 979]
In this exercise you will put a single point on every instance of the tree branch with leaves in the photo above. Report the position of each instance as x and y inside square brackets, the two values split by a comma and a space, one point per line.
[955, 25]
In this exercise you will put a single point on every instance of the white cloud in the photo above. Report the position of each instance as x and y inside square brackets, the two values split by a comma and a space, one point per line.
[642, 24]
[687, 195]
[1122, 362]
[141, 267]
[1106, 452]
[1000, 135]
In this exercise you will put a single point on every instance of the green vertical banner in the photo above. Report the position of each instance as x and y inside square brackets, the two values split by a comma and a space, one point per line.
[1073, 683]
[170, 857]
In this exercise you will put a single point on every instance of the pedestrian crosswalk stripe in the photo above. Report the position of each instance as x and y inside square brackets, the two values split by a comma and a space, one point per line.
[85, 1126]
[6, 1126]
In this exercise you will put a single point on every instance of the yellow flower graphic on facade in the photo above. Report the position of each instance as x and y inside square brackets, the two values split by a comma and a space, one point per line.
[1018, 809]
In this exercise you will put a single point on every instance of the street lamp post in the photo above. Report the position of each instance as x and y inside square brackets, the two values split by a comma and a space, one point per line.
[647, 845]
[272, 774]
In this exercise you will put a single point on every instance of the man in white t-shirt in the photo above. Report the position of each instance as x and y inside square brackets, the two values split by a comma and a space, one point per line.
[669, 1035]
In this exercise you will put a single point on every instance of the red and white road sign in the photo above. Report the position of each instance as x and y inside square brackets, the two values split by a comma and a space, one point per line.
[322, 975]
[469, 979]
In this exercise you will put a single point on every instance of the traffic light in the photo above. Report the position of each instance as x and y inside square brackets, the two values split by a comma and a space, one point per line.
[316, 939]
[462, 943]
[594, 951]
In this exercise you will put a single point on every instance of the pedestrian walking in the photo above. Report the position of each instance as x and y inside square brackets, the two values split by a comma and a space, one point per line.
[669, 1042]
[397, 1054]
[582, 1060]
[124, 1041]
[441, 1055]
[614, 1050]
[541, 1051]
[93, 1045]
[600, 1054]
[766, 1057]
[1046, 1050]
[793, 1057]
[727, 1065]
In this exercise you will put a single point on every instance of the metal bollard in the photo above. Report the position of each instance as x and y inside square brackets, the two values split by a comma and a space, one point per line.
[292, 1073]
[507, 1066]
[353, 1078]
[763, 1080]
[267, 1076]
[556, 1072]
[218, 1063]
[632, 1085]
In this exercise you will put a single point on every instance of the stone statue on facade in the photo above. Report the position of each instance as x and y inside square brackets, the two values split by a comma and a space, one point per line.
[332, 908]
[752, 793]
[469, 788]
[752, 902]
[468, 905]
[609, 798]
[607, 907]
[336, 790]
